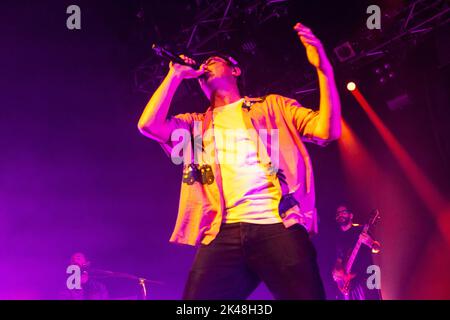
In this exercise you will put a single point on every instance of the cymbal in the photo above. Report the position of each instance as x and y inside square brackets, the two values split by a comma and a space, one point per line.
[113, 274]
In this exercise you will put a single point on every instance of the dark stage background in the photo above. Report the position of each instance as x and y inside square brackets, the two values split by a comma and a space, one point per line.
[76, 175]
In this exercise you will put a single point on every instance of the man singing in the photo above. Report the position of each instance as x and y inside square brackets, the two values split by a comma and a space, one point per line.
[250, 216]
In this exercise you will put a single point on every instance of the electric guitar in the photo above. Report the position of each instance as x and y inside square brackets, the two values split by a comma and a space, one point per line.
[344, 283]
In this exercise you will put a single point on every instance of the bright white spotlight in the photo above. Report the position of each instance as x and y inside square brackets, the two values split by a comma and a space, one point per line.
[351, 86]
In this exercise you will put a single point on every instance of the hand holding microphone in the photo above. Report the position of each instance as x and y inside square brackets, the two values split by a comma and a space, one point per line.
[182, 66]
[186, 71]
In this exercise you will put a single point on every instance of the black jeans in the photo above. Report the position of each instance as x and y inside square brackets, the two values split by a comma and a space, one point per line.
[243, 254]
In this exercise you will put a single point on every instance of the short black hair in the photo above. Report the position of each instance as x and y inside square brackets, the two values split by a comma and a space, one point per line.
[349, 210]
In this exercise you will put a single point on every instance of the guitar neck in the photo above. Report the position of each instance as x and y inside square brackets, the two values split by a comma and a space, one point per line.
[351, 259]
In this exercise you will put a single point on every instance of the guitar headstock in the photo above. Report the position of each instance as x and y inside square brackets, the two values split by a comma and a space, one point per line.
[375, 216]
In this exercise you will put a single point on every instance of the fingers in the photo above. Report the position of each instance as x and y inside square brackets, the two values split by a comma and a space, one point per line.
[187, 59]
[301, 27]
[306, 35]
[200, 71]
[310, 42]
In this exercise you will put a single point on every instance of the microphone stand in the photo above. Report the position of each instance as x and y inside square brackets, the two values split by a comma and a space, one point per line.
[144, 288]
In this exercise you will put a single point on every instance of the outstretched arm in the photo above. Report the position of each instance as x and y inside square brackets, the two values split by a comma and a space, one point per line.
[329, 123]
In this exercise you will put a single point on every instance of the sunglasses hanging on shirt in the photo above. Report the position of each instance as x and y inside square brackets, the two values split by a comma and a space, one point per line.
[194, 172]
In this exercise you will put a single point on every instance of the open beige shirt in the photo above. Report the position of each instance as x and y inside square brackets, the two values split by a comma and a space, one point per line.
[201, 206]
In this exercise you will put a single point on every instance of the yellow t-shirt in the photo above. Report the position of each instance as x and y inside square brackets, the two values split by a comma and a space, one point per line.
[249, 195]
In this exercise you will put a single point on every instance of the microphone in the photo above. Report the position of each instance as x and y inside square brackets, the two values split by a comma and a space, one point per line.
[167, 55]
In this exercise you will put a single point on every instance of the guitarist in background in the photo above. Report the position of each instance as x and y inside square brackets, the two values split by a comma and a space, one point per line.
[347, 236]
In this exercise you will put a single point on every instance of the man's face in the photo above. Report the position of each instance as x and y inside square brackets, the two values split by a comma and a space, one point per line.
[218, 72]
[343, 216]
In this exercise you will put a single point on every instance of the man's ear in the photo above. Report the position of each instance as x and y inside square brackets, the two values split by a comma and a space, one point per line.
[236, 71]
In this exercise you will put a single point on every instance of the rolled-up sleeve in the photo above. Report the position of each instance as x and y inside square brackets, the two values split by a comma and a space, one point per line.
[180, 129]
[304, 119]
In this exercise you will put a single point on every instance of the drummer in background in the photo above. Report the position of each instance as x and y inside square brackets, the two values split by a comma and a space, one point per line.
[90, 289]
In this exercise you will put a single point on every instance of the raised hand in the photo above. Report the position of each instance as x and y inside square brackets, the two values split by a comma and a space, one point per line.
[314, 49]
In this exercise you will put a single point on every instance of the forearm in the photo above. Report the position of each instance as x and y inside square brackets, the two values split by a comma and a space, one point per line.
[329, 122]
[153, 118]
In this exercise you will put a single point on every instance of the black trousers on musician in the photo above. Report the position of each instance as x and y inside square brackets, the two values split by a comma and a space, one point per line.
[243, 254]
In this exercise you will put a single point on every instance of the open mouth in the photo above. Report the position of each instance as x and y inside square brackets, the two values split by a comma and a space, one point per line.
[206, 75]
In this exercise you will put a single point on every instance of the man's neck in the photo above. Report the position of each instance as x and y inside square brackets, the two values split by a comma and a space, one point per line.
[346, 227]
[222, 97]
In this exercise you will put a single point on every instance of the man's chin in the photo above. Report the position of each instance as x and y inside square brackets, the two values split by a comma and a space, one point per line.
[205, 81]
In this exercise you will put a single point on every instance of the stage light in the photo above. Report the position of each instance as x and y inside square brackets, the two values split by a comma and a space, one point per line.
[434, 200]
[344, 52]
[249, 47]
[351, 86]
